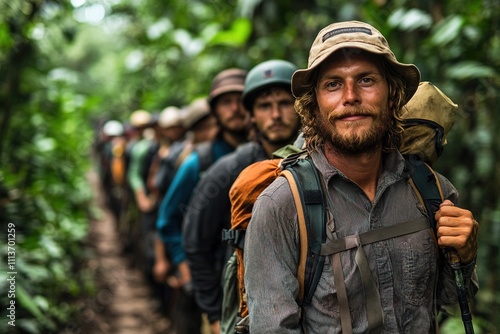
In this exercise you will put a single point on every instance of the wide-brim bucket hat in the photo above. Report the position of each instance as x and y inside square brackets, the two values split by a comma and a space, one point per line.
[352, 34]
[227, 81]
[196, 111]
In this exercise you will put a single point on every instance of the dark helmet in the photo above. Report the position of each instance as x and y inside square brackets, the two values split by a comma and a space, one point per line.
[269, 73]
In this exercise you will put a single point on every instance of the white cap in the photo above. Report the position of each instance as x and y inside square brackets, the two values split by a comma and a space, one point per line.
[113, 128]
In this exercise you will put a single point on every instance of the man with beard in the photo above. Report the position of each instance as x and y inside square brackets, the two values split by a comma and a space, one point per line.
[234, 123]
[268, 97]
[350, 98]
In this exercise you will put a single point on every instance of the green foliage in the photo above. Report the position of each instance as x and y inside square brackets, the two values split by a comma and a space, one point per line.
[62, 72]
[236, 36]
[44, 195]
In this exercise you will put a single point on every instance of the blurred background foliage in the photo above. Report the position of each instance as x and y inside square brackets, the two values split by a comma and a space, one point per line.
[65, 66]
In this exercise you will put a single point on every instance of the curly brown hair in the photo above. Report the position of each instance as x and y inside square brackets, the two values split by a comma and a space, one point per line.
[307, 107]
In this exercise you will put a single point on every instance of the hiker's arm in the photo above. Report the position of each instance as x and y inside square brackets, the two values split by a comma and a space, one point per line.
[456, 228]
[135, 180]
[271, 257]
[173, 207]
[162, 264]
[202, 228]
[144, 202]
[137, 156]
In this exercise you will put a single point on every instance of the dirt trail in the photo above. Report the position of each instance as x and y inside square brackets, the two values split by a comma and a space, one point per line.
[123, 303]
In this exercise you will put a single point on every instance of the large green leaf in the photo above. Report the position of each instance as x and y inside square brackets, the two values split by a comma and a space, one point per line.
[410, 20]
[447, 30]
[236, 36]
[467, 70]
[26, 301]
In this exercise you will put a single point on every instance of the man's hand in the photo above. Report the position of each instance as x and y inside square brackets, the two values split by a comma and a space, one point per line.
[160, 270]
[215, 327]
[457, 228]
[184, 273]
[144, 202]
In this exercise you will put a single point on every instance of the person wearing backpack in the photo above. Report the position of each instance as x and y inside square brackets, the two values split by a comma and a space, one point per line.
[113, 165]
[350, 99]
[234, 122]
[143, 121]
[200, 125]
[267, 95]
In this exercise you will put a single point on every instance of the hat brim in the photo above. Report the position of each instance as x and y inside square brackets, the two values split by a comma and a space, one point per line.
[409, 72]
[223, 90]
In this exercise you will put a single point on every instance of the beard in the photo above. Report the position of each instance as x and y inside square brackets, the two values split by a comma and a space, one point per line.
[354, 142]
[240, 129]
[281, 140]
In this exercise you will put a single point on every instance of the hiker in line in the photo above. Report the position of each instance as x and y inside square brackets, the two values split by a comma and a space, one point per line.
[350, 98]
[233, 121]
[200, 126]
[169, 130]
[268, 97]
[143, 121]
[113, 165]
[171, 134]
[139, 154]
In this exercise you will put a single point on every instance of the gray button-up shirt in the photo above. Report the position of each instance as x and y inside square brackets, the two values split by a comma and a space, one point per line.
[405, 269]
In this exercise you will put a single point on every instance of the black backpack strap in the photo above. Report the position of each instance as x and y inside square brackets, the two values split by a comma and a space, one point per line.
[426, 186]
[305, 176]
[205, 155]
[425, 183]
[235, 237]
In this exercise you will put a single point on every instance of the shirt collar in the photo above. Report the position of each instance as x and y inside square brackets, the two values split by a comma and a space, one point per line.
[393, 167]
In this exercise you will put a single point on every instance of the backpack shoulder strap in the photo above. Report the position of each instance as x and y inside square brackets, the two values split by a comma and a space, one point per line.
[205, 155]
[307, 190]
[425, 183]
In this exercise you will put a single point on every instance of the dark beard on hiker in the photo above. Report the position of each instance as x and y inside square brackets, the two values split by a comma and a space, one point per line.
[289, 134]
[354, 143]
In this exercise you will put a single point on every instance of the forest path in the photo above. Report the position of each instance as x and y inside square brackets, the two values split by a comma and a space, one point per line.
[123, 303]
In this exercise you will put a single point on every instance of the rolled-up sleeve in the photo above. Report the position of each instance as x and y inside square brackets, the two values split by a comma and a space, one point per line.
[174, 205]
[447, 289]
[271, 257]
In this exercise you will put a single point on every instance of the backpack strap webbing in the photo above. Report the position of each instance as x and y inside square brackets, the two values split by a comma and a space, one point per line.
[205, 155]
[425, 183]
[308, 194]
[311, 216]
[379, 234]
[301, 270]
[426, 186]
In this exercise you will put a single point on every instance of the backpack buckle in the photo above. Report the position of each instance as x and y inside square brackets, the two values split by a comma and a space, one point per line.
[235, 238]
